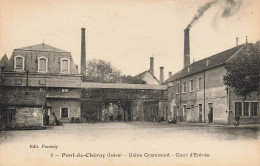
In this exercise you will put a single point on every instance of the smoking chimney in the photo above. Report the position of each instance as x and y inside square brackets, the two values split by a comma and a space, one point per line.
[151, 65]
[186, 47]
[170, 74]
[83, 53]
[161, 75]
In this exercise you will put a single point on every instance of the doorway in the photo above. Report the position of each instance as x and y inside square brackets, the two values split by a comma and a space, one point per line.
[200, 112]
[210, 115]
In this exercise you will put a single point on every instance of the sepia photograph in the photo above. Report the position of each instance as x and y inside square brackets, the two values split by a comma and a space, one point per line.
[129, 82]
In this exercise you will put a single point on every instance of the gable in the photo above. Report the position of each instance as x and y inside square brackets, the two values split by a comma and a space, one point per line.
[149, 78]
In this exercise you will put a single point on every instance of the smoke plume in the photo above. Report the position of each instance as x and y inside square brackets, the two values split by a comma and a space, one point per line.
[228, 8]
[231, 7]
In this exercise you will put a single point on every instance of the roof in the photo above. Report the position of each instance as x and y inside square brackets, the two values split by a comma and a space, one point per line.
[201, 65]
[141, 75]
[41, 47]
[4, 58]
[122, 86]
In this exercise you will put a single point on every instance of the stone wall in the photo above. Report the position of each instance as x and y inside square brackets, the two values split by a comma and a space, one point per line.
[73, 106]
[18, 96]
[29, 117]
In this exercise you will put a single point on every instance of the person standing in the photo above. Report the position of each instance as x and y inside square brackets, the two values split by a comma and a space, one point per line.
[237, 118]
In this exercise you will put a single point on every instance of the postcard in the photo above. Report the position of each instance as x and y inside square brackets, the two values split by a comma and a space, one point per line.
[127, 82]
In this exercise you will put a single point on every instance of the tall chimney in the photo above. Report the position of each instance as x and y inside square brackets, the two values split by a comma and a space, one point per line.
[83, 53]
[186, 47]
[170, 74]
[161, 75]
[236, 41]
[151, 65]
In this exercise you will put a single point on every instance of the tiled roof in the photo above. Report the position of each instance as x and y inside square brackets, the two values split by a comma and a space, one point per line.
[122, 86]
[41, 47]
[201, 65]
[139, 76]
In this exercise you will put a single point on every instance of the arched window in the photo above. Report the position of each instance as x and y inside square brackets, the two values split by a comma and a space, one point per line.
[65, 65]
[19, 63]
[42, 64]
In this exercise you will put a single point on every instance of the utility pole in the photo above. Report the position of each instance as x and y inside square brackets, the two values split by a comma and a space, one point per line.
[27, 73]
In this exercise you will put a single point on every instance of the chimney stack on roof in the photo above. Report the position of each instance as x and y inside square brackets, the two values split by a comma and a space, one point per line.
[236, 41]
[83, 53]
[246, 40]
[186, 47]
[161, 75]
[170, 74]
[151, 65]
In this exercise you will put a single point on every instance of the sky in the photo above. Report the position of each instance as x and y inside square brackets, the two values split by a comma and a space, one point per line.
[127, 32]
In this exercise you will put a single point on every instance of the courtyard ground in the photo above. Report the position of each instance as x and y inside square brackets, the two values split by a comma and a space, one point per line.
[132, 143]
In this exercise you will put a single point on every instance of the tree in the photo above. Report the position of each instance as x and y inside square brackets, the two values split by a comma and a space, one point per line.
[101, 71]
[242, 72]
[131, 80]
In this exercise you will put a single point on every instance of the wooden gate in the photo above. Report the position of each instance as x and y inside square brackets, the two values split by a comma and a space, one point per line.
[7, 115]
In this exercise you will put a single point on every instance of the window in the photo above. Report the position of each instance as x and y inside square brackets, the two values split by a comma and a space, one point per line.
[246, 108]
[199, 83]
[65, 90]
[64, 113]
[42, 64]
[184, 87]
[191, 85]
[18, 82]
[19, 63]
[65, 65]
[42, 82]
[178, 88]
[238, 108]
[254, 109]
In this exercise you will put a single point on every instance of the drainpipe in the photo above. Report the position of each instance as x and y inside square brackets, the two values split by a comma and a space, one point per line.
[180, 108]
[27, 73]
[204, 95]
[228, 106]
